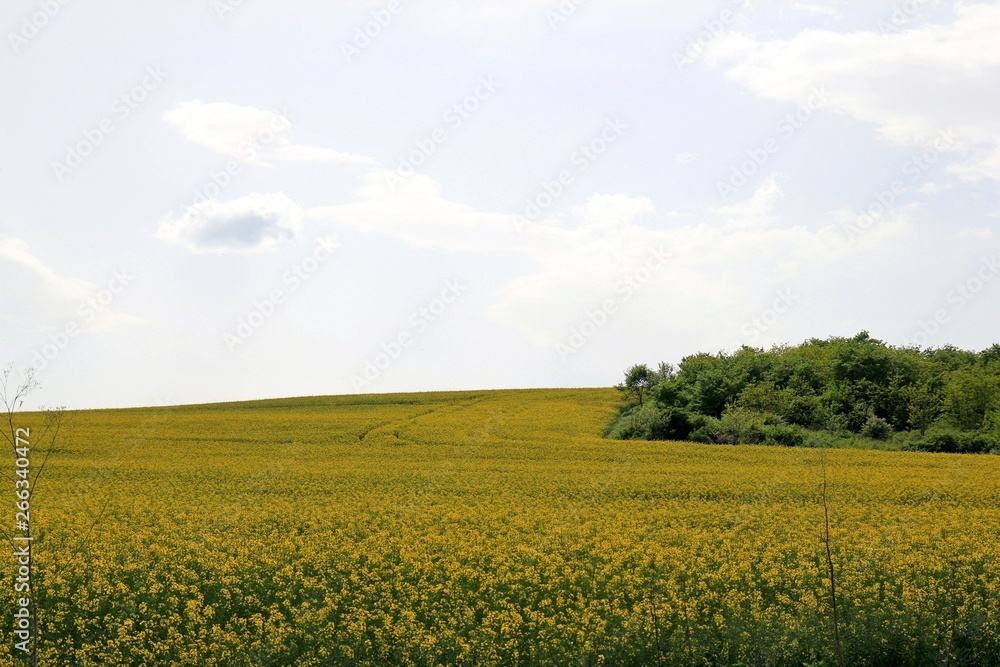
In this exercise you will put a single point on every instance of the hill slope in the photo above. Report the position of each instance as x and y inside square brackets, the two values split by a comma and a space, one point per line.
[496, 528]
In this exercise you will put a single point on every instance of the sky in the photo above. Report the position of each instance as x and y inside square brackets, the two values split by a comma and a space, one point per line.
[215, 200]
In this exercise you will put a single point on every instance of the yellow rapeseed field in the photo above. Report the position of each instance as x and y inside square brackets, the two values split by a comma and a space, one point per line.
[495, 528]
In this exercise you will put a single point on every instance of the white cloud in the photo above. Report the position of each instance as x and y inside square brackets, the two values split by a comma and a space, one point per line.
[36, 293]
[582, 260]
[254, 223]
[16, 253]
[910, 85]
[983, 164]
[755, 212]
[248, 134]
[975, 234]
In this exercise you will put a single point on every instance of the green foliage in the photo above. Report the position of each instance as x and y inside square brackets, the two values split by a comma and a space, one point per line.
[636, 424]
[877, 428]
[706, 432]
[949, 440]
[991, 423]
[849, 387]
[664, 372]
[969, 396]
[638, 380]
[862, 358]
[924, 406]
[739, 426]
[796, 404]
[652, 422]
[785, 435]
[675, 424]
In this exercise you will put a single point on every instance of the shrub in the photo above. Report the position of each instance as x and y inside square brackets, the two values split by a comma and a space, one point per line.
[784, 435]
[673, 424]
[797, 406]
[739, 426]
[651, 422]
[833, 422]
[635, 424]
[991, 423]
[707, 432]
[877, 428]
[952, 441]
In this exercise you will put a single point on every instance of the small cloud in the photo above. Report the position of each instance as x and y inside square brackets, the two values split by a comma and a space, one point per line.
[687, 157]
[15, 252]
[928, 189]
[248, 133]
[254, 223]
[753, 213]
[239, 132]
[38, 294]
[985, 164]
[975, 234]
[931, 86]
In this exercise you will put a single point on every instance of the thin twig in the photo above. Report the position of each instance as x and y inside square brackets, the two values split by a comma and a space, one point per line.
[954, 618]
[829, 562]
[656, 620]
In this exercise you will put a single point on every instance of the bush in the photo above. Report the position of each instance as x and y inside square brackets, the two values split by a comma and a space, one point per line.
[877, 428]
[797, 406]
[673, 424]
[991, 423]
[835, 423]
[651, 422]
[707, 432]
[635, 424]
[784, 435]
[739, 426]
[952, 441]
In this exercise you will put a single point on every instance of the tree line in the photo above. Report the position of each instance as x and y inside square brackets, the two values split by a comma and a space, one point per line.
[856, 390]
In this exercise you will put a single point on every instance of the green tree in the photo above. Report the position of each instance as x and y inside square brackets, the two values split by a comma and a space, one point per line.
[664, 373]
[923, 407]
[638, 380]
[969, 396]
[857, 384]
